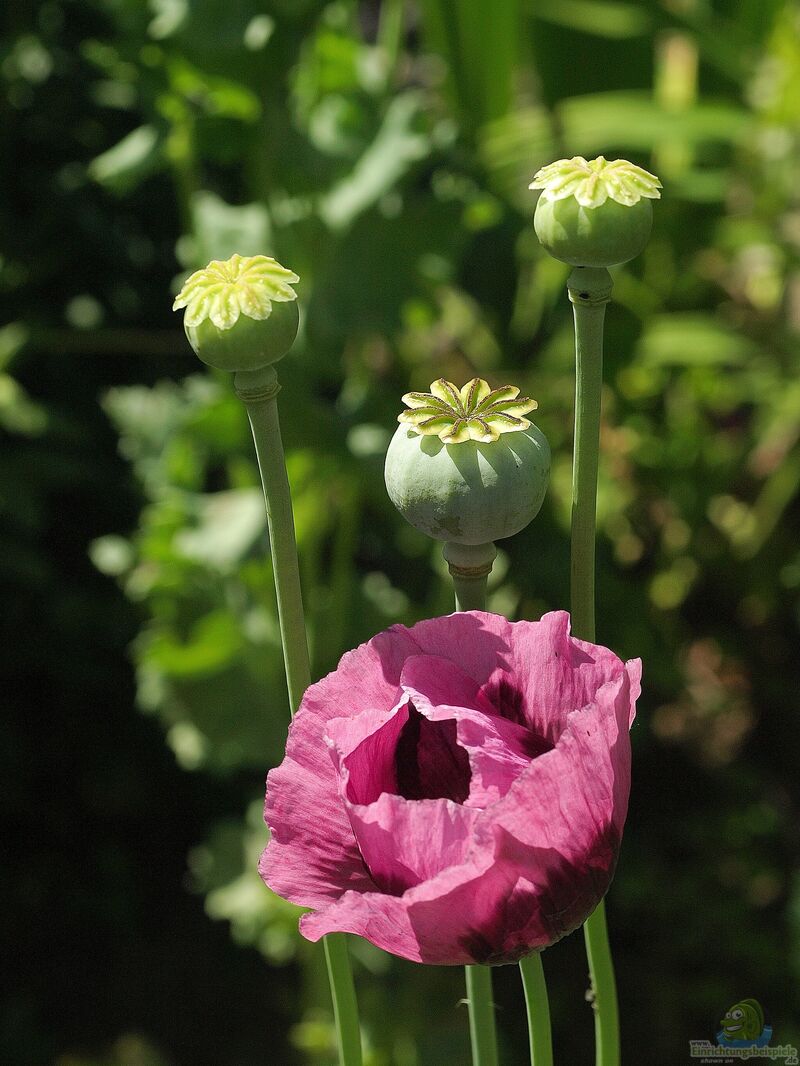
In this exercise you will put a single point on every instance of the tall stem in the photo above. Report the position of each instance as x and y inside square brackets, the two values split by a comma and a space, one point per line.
[538, 1008]
[470, 566]
[482, 1032]
[590, 290]
[258, 390]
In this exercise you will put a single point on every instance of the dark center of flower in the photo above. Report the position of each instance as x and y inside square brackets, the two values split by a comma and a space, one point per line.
[428, 761]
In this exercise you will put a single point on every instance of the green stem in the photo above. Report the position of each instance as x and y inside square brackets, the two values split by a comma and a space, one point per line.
[590, 290]
[258, 390]
[538, 1009]
[470, 592]
[390, 32]
[345, 1004]
[482, 1030]
[470, 566]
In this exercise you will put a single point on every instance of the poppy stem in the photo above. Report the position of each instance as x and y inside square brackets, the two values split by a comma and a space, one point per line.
[258, 390]
[538, 1008]
[469, 568]
[589, 291]
[482, 1030]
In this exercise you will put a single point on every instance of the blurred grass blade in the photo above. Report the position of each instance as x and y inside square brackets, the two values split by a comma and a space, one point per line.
[598, 17]
[480, 44]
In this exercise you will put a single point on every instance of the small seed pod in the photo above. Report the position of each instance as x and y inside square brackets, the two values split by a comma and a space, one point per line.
[594, 213]
[465, 465]
[241, 314]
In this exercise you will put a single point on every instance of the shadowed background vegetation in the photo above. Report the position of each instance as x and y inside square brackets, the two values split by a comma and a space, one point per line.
[383, 151]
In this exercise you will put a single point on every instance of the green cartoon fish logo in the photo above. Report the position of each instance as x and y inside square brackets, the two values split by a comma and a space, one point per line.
[743, 1022]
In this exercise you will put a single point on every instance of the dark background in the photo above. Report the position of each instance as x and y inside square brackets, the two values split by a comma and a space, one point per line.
[383, 151]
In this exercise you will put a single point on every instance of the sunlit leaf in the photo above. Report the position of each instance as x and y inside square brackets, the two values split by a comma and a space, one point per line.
[395, 149]
[601, 18]
[130, 160]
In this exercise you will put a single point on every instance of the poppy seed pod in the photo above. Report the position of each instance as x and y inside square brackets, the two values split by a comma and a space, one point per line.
[465, 465]
[594, 213]
[241, 313]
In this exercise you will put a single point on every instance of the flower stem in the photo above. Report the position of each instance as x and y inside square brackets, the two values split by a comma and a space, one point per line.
[538, 1008]
[482, 1032]
[470, 566]
[590, 290]
[258, 390]
[343, 994]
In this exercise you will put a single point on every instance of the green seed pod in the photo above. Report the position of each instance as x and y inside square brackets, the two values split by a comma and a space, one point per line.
[466, 466]
[241, 314]
[594, 214]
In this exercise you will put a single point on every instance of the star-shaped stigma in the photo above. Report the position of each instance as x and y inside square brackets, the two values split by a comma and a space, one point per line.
[475, 412]
[244, 285]
[592, 182]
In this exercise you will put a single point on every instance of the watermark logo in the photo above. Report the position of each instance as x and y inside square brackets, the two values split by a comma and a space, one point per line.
[743, 1035]
[743, 1026]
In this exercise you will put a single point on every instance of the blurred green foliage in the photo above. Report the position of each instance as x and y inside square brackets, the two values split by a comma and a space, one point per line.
[383, 151]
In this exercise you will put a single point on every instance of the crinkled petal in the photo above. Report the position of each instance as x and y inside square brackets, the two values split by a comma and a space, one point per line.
[405, 842]
[545, 673]
[312, 856]
[363, 751]
[577, 793]
[482, 911]
[498, 749]
[437, 922]
[433, 680]
[499, 752]
[477, 642]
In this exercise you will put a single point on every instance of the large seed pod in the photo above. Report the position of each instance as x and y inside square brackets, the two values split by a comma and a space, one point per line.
[472, 492]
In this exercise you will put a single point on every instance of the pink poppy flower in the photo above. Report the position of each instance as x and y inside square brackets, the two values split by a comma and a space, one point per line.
[456, 792]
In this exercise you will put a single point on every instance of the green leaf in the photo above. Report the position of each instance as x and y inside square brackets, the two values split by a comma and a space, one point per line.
[212, 643]
[221, 97]
[513, 148]
[633, 120]
[132, 159]
[480, 44]
[396, 147]
[692, 340]
[221, 229]
[601, 18]
[228, 525]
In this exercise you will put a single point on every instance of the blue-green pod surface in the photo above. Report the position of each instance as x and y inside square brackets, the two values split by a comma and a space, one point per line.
[471, 492]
